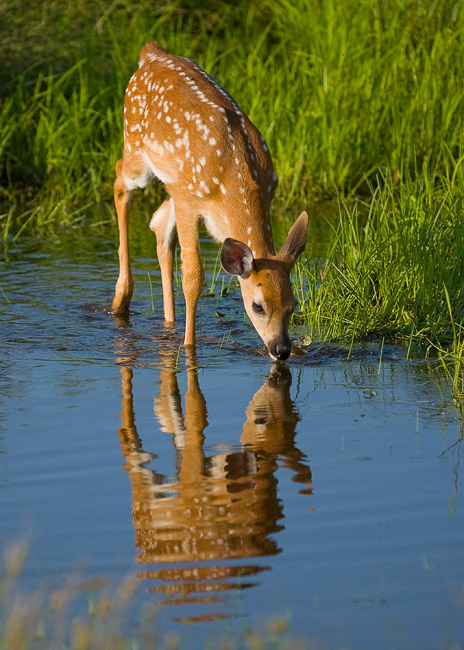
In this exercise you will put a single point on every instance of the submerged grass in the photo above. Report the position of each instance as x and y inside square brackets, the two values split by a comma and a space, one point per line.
[92, 614]
[452, 357]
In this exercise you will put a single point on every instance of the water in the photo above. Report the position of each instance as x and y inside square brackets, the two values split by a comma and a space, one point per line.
[325, 491]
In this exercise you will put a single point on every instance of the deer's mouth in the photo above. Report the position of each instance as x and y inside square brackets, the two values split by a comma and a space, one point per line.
[280, 351]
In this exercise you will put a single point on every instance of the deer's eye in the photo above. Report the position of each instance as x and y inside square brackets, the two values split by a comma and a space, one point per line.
[258, 309]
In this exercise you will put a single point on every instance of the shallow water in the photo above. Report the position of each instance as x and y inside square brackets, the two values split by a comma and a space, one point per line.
[325, 490]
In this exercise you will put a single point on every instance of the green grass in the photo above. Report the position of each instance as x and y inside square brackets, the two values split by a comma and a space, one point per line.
[361, 102]
[394, 269]
[341, 90]
[452, 359]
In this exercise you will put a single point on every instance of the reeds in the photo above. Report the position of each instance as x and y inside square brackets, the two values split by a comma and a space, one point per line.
[93, 614]
[393, 270]
[341, 90]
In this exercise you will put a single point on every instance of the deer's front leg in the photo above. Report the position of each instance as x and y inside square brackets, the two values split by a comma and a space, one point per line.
[125, 283]
[192, 274]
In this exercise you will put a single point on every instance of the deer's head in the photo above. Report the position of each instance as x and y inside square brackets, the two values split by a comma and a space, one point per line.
[266, 288]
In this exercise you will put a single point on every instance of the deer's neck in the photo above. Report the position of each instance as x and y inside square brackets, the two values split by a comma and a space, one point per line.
[250, 222]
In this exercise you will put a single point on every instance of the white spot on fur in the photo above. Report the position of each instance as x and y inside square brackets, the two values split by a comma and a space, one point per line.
[156, 147]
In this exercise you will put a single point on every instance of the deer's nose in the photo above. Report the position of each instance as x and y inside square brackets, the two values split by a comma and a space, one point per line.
[282, 351]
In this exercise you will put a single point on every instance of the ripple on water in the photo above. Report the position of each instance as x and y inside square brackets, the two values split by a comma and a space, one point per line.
[233, 488]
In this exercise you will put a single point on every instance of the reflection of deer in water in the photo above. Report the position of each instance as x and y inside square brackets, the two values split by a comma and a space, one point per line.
[219, 507]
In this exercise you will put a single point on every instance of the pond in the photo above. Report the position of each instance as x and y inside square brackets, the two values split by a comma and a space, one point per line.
[324, 490]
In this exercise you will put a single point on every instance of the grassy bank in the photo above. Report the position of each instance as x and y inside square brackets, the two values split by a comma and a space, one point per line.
[393, 272]
[341, 90]
[359, 101]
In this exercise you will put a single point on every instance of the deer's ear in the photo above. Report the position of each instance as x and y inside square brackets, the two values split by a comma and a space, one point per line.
[236, 258]
[295, 243]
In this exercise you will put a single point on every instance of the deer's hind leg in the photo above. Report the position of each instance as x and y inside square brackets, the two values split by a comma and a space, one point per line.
[163, 224]
[132, 172]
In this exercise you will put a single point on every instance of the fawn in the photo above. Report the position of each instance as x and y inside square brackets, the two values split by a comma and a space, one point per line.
[181, 127]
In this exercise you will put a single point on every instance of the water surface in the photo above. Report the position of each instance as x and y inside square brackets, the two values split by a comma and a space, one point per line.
[325, 490]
